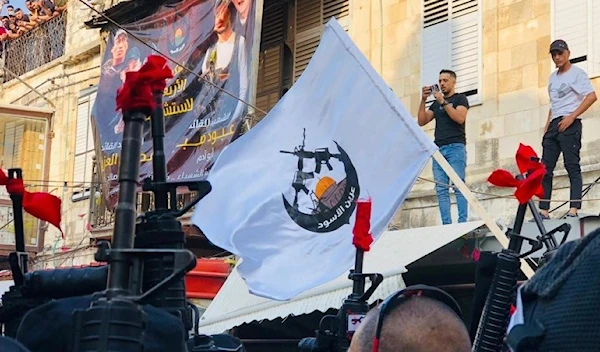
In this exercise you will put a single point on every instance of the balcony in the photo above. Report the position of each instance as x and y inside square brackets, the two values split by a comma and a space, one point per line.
[102, 218]
[36, 47]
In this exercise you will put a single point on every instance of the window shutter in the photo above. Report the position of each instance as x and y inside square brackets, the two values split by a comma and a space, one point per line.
[273, 24]
[340, 9]
[84, 142]
[594, 60]
[309, 20]
[311, 15]
[434, 12]
[90, 136]
[465, 46]
[9, 145]
[18, 151]
[269, 77]
[571, 25]
[436, 41]
[270, 57]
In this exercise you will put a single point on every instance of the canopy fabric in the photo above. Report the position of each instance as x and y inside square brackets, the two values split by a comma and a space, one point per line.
[234, 305]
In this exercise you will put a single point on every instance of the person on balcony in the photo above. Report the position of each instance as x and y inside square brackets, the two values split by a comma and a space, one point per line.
[571, 94]
[450, 113]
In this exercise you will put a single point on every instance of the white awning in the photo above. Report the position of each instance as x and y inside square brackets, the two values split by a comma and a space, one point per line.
[5, 287]
[234, 305]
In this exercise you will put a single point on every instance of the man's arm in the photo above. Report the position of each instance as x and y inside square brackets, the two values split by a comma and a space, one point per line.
[581, 86]
[458, 114]
[585, 104]
[424, 116]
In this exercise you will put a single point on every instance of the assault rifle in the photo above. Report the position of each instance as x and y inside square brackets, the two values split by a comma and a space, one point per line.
[146, 260]
[496, 311]
[335, 331]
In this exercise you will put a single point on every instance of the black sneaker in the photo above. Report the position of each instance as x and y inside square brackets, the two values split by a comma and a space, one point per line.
[569, 215]
[544, 217]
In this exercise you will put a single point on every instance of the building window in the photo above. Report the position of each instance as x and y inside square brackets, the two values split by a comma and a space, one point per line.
[311, 16]
[284, 54]
[452, 40]
[22, 145]
[84, 147]
[575, 21]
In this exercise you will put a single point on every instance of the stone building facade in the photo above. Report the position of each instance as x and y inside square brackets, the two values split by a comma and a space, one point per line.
[60, 79]
[507, 42]
[499, 48]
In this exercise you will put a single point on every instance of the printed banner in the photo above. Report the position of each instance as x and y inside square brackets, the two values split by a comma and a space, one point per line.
[211, 38]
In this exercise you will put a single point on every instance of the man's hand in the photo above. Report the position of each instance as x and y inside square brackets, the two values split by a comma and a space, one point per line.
[439, 97]
[565, 123]
[425, 92]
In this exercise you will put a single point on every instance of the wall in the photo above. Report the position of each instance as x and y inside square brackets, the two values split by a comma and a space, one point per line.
[515, 67]
[61, 81]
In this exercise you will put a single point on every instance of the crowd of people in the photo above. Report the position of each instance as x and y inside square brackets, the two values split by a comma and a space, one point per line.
[16, 22]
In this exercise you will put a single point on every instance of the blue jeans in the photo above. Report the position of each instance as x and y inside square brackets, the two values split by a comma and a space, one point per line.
[456, 154]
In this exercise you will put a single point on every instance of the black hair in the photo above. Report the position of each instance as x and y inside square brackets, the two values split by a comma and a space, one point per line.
[450, 72]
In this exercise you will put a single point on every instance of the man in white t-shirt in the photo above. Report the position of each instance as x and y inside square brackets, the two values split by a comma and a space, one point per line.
[571, 94]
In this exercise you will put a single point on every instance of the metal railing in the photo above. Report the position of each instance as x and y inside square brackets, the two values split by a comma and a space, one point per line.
[102, 218]
[37, 47]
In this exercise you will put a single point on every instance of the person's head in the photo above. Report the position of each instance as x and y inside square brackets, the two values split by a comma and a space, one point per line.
[559, 50]
[414, 321]
[29, 5]
[120, 46]
[19, 14]
[447, 81]
[222, 16]
[5, 21]
[243, 8]
[10, 10]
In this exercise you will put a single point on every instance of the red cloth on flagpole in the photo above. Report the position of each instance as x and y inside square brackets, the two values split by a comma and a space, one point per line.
[44, 206]
[529, 187]
[136, 92]
[362, 227]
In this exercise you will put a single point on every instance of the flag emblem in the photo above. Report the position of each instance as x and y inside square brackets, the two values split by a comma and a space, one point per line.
[325, 188]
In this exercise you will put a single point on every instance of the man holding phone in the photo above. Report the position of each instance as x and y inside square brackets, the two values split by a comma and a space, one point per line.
[450, 113]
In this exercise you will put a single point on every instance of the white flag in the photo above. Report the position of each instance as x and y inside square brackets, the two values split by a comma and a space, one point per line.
[284, 193]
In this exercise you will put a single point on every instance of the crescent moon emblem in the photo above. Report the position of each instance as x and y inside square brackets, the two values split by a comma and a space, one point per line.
[315, 223]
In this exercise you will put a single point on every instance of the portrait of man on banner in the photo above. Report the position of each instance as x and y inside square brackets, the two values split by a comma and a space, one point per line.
[208, 44]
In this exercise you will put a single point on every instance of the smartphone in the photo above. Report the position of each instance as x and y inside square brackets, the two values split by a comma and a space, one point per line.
[434, 88]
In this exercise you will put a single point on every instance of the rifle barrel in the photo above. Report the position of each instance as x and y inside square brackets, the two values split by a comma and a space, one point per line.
[159, 166]
[358, 287]
[125, 213]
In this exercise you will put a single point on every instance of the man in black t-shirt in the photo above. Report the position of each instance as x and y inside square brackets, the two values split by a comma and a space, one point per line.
[450, 113]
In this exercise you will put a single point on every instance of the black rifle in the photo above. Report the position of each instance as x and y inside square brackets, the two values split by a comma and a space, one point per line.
[14, 303]
[496, 311]
[115, 321]
[335, 331]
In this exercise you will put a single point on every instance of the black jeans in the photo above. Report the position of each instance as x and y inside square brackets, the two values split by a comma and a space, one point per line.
[569, 143]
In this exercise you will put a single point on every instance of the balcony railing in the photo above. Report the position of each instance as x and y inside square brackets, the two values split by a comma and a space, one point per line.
[37, 47]
[101, 218]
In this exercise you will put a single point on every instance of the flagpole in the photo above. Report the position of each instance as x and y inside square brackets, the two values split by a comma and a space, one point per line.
[19, 258]
[487, 219]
